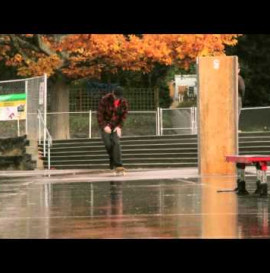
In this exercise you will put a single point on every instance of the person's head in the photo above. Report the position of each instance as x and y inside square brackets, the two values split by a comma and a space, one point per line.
[118, 92]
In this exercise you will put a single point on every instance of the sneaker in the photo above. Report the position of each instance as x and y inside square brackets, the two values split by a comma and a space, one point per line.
[111, 164]
[238, 180]
[120, 170]
[258, 186]
[242, 188]
[263, 189]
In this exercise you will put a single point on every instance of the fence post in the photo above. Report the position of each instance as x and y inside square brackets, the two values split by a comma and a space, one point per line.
[158, 121]
[39, 130]
[192, 120]
[26, 110]
[161, 122]
[157, 127]
[90, 124]
[45, 112]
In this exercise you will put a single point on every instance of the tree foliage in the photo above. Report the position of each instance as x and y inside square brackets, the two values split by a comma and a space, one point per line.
[91, 55]
[253, 51]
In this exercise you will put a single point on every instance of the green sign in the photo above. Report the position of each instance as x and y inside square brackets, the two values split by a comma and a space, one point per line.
[12, 97]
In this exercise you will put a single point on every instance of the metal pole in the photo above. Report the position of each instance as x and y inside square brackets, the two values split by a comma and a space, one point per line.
[195, 120]
[26, 111]
[49, 156]
[90, 124]
[192, 120]
[157, 123]
[45, 113]
[161, 122]
[158, 114]
[39, 129]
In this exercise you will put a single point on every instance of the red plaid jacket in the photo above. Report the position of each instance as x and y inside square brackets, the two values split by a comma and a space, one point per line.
[108, 114]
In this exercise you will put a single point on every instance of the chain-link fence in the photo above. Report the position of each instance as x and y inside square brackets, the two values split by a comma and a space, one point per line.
[19, 116]
[141, 123]
[255, 119]
[139, 99]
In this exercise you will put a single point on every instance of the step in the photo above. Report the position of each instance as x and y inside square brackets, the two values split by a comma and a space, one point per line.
[124, 138]
[123, 143]
[127, 160]
[126, 147]
[131, 166]
[124, 156]
[67, 152]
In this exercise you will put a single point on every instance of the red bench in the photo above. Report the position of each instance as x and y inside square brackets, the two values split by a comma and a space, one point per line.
[260, 162]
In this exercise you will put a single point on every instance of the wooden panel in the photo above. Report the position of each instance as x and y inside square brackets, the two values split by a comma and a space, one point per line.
[218, 210]
[217, 115]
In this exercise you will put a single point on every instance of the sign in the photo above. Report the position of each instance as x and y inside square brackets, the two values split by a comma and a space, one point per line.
[13, 106]
[41, 93]
[216, 64]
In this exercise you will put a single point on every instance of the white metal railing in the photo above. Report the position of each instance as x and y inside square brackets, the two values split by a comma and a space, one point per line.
[91, 123]
[191, 120]
[47, 138]
[186, 121]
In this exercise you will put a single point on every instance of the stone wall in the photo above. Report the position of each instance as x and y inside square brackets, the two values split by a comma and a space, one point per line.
[13, 155]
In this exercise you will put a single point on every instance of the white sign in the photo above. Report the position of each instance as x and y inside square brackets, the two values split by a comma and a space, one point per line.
[216, 64]
[41, 93]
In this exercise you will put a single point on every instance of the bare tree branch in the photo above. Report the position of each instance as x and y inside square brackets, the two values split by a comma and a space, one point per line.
[43, 47]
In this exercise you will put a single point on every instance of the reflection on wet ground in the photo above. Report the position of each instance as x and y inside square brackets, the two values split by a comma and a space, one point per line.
[167, 208]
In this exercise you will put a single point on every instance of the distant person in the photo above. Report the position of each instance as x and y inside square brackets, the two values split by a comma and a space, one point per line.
[241, 92]
[111, 114]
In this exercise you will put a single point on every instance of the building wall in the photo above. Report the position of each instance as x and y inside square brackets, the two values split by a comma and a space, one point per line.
[185, 80]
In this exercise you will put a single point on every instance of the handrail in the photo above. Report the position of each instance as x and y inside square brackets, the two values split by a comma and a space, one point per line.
[40, 118]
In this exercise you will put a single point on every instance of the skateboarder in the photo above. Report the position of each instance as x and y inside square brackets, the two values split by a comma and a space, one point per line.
[111, 114]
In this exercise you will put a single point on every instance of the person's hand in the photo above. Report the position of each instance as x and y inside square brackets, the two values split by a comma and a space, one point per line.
[107, 129]
[118, 131]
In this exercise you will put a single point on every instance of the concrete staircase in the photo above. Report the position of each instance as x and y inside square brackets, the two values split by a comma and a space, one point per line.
[144, 152]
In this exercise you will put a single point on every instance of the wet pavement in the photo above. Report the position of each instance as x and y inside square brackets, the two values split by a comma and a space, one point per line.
[175, 203]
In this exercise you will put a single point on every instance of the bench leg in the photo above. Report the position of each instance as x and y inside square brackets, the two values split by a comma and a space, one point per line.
[261, 182]
[241, 183]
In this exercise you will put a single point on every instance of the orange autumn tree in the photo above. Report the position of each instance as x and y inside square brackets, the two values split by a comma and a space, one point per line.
[90, 55]
[75, 56]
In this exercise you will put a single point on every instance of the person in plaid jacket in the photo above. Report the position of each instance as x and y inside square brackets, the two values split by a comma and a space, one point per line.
[111, 114]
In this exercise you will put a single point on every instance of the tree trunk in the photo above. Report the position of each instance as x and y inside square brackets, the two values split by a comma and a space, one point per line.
[59, 103]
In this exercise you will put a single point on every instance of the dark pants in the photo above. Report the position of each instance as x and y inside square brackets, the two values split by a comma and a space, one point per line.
[113, 148]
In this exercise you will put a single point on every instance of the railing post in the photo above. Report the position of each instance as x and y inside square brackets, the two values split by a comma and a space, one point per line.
[49, 156]
[192, 119]
[26, 110]
[39, 129]
[157, 120]
[161, 122]
[45, 111]
[90, 124]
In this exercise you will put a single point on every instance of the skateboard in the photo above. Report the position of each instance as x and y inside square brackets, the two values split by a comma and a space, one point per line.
[120, 171]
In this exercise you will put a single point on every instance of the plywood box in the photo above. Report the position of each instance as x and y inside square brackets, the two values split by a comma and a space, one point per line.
[217, 113]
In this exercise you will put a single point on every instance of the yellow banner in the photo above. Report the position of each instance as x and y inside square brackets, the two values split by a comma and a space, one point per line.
[11, 103]
[11, 110]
